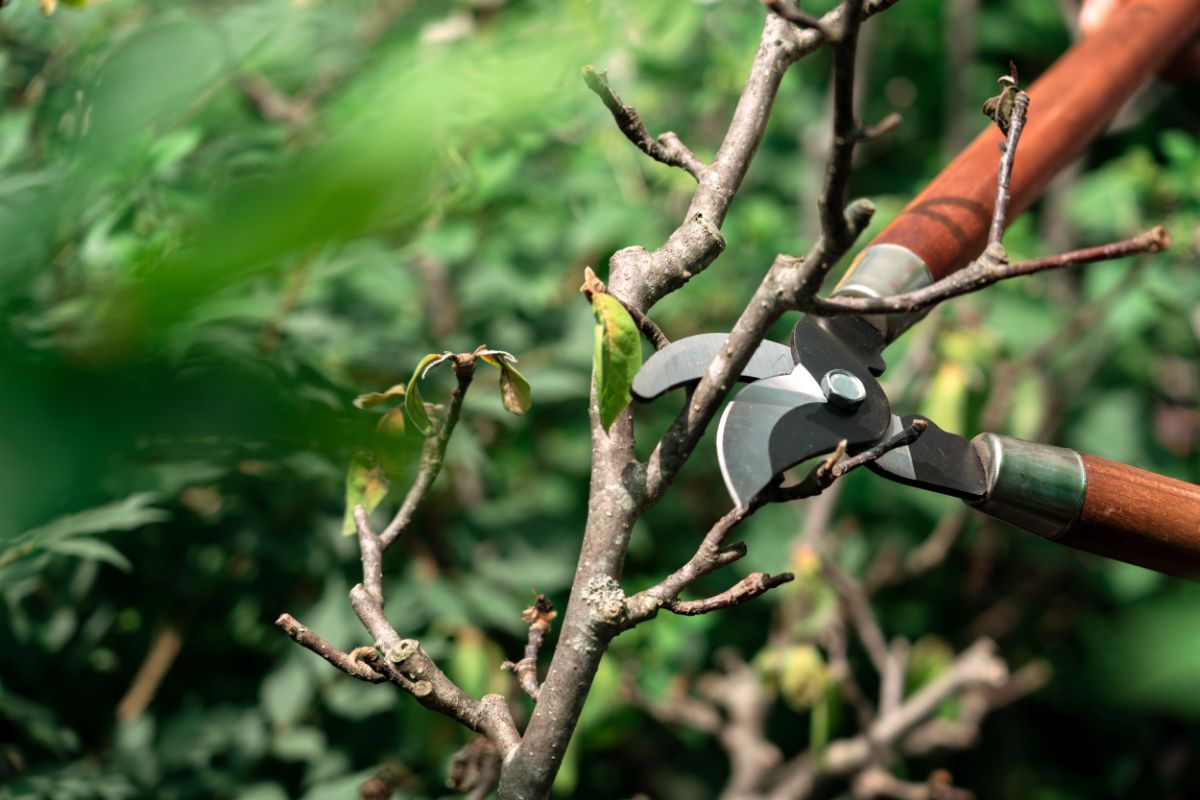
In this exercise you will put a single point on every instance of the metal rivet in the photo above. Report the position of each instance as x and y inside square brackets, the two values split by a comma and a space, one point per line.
[843, 389]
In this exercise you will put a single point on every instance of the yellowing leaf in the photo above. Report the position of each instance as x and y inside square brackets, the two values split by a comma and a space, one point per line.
[514, 389]
[617, 356]
[366, 486]
[376, 398]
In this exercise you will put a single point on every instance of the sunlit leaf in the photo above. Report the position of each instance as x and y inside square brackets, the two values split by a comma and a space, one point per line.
[617, 356]
[366, 486]
[371, 399]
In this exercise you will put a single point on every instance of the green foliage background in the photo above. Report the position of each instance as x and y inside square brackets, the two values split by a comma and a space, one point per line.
[193, 292]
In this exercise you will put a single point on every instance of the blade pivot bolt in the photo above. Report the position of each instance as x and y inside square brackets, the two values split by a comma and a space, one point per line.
[843, 389]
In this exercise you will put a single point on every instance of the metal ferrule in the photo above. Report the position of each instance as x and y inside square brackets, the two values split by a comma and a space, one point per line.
[882, 270]
[1034, 486]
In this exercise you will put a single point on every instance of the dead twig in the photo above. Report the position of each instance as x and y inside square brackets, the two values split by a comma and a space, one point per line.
[667, 148]
[539, 616]
[747, 588]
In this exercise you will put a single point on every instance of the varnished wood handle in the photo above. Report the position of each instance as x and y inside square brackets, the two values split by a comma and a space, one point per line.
[946, 225]
[1138, 517]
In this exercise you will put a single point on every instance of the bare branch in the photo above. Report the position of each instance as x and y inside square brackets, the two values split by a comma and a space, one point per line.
[984, 272]
[709, 557]
[539, 616]
[1016, 124]
[832, 202]
[835, 465]
[802, 18]
[891, 567]
[881, 128]
[348, 663]
[977, 667]
[859, 608]
[747, 588]
[426, 682]
[667, 148]
[891, 680]
[878, 782]
[433, 453]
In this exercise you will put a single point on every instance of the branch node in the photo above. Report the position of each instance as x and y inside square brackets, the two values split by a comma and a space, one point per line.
[403, 650]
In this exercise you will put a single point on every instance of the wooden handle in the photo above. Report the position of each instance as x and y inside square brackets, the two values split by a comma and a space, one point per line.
[947, 224]
[1138, 517]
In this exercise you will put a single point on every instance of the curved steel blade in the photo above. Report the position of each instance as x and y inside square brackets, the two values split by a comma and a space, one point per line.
[939, 461]
[779, 422]
[686, 360]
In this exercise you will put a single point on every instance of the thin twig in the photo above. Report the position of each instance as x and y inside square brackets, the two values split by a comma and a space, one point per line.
[667, 148]
[802, 18]
[1015, 125]
[984, 272]
[351, 665]
[835, 465]
[709, 557]
[539, 616]
[747, 588]
[858, 607]
[433, 453]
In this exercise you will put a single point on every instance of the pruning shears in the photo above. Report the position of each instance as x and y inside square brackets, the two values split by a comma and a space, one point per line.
[820, 389]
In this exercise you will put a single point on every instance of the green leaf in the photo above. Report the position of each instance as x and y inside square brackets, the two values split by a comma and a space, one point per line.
[393, 447]
[366, 486]
[414, 404]
[132, 512]
[617, 356]
[91, 549]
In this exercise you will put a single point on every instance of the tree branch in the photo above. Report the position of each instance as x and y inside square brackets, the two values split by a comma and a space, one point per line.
[709, 557]
[351, 664]
[539, 616]
[976, 667]
[985, 271]
[667, 148]
[747, 588]
[1012, 136]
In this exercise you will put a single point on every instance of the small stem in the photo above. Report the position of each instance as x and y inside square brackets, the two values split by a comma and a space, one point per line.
[433, 453]
[1003, 182]
[667, 149]
[747, 588]
[351, 665]
[539, 616]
